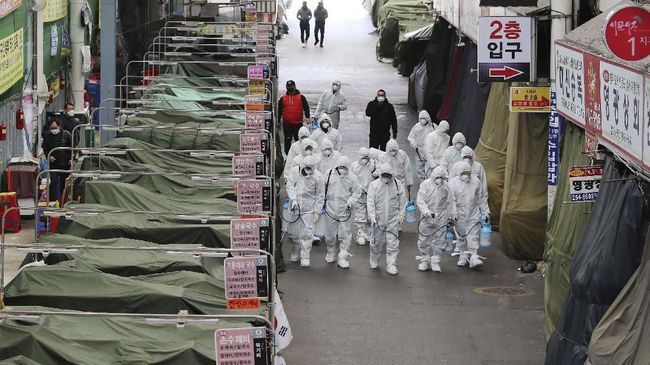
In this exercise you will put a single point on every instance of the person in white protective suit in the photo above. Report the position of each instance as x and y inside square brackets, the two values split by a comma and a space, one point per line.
[294, 151]
[328, 156]
[307, 148]
[363, 168]
[417, 139]
[386, 204]
[399, 162]
[436, 145]
[341, 194]
[436, 205]
[470, 201]
[332, 102]
[306, 195]
[327, 131]
[467, 155]
[452, 153]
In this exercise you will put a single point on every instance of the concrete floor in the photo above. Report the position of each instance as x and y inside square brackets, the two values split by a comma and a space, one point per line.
[363, 316]
[14, 258]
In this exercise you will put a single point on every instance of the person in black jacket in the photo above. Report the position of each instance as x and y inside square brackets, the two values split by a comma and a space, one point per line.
[58, 160]
[382, 119]
[69, 122]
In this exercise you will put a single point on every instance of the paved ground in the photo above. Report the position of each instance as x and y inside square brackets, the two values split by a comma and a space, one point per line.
[362, 316]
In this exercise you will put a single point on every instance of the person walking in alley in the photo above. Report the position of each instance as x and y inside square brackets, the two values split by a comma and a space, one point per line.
[293, 109]
[304, 15]
[332, 102]
[320, 14]
[382, 119]
[60, 159]
[417, 139]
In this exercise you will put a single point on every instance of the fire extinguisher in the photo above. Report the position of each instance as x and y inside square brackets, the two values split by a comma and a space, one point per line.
[20, 119]
[3, 132]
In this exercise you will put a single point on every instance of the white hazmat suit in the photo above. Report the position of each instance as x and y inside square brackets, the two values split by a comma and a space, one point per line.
[307, 148]
[436, 144]
[328, 156]
[332, 102]
[386, 204]
[363, 169]
[294, 151]
[306, 195]
[417, 138]
[467, 155]
[469, 203]
[436, 206]
[399, 162]
[327, 131]
[452, 153]
[341, 194]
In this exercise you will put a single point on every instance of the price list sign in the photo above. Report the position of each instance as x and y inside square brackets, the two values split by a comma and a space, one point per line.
[253, 196]
[584, 183]
[258, 72]
[248, 165]
[250, 233]
[246, 277]
[251, 143]
[241, 346]
[259, 120]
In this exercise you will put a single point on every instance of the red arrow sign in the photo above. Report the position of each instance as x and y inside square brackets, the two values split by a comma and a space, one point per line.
[505, 72]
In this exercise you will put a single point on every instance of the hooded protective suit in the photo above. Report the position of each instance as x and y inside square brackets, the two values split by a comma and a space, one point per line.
[306, 195]
[399, 162]
[363, 169]
[332, 103]
[295, 146]
[328, 156]
[326, 130]
[307, 148]
[452, 153]
[436, 206]
[417, 139]
[470, 202]
[436, 145]
[386, 204]
[341, 194]
[467, 155]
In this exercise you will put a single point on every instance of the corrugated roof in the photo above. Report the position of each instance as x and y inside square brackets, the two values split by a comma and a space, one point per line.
[589, 37]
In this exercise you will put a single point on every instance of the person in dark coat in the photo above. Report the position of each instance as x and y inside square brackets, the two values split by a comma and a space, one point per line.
[58, 159]
[320, 14]
[382, 119]
[69, 122]
[304, 15]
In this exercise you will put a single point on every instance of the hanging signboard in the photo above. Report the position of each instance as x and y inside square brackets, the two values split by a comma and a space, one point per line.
[505, 49]
[246, 277]
[258, 72]
[11, 60]
[259, 120]
[250, 234]
[241, 346]
[591, 144]
[584, 183]
[55, 10]
[8, 6]
[621, 103]
[248, 165]
[254, 196]
[553, 142]
[530, 99]
[646, 130]
[593, 120]
[626, 32]
[569, 74]
[254, 143]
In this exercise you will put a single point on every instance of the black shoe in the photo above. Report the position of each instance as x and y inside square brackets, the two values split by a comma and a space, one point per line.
[321, 46]
[315, 43]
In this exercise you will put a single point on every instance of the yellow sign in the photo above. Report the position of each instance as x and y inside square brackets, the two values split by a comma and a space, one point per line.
[7, 6]
[11, 60]
[55, 10]
[530, 99]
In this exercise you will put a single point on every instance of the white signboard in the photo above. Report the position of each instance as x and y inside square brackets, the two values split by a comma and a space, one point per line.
[569, 80]
[584, 183]
[505, 49]
[646, 129]
[621, 104]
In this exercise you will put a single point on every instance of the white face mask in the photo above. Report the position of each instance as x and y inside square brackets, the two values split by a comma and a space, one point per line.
[459, 146]
[55, 131]
[308, 152]
[381, 99]
[343, 170]
[464, 178]
[438, 181]
[326, 126]
[327, 152]
[423, 121]
[335, 88]
[70, 113]
[385, 180]
[364, 161]
[468, 160]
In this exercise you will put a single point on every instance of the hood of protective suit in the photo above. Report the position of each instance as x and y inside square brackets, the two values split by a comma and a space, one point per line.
[425, 115]
[443, 127]
[309, 161]
[337, 83]
[325, 144]
[343, 161]
[459, 138]
[303, 132]
[364, 152]
[392, 145]
[463, 166]
[467, 151]
[324, 117]
[307, 142]
[384, 168]
[439, 171]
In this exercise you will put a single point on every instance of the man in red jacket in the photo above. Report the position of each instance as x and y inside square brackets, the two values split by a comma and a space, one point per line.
[293, 109]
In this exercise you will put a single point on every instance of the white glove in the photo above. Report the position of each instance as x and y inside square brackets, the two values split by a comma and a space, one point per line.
[401, 218]
[294, 205]
[316, 217]
[373, 220]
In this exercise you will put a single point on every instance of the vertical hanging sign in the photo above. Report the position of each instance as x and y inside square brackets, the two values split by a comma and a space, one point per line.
[8, 6]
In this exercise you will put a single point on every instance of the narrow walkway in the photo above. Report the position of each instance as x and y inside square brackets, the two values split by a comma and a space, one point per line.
[361, 316]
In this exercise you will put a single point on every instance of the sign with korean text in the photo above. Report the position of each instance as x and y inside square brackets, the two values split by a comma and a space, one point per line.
[553, 142]
[254, 196]
[505, 49]
[250, 233]
[259, 120]
[530, 99]
[646, 129]
[241, 346]
[8, 6]
[584, 183]
[11, 60]
[593, 120]
[253, 143]
[591, 144]
[55, 10]
[627, 32]
[246, 277]
[257, 87]
[621, 103]
[569, 78]
[258, 72]
[248, 165]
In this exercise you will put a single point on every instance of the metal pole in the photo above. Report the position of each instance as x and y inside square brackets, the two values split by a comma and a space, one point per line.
[108, 60]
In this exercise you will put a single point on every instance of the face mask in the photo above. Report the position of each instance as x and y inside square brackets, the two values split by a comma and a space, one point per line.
[308, 152]
[70, 113]
[438, 181]
[393, 153]
[343, 170]
[325, 126]
[327, 152]
[464, 178]
[459, 146]
[55, 131]
[381, 99]
[335, 88]
[468, 160]
[364, 161]
[291, 89]
[423, 121]
[385, 180]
